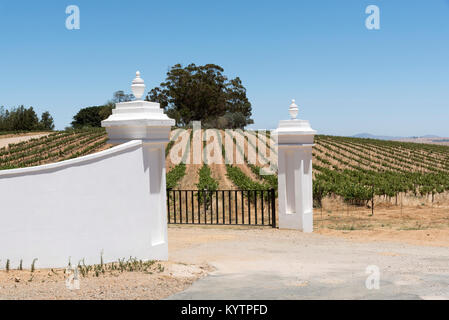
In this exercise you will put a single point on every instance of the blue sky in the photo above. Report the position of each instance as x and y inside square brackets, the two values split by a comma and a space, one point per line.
[345, 78]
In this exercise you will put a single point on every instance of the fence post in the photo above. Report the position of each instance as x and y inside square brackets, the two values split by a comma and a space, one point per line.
[295, 192]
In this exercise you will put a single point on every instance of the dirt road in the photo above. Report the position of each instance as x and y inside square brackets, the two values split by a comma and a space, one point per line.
[285, 264]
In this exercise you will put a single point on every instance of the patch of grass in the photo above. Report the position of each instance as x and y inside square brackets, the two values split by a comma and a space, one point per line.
[410, 228]
[342, 227]
[350, 227]
[33, 265]
[122, 265]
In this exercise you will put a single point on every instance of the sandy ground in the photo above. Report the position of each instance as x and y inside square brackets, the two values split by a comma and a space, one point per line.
[253, 263]
[16, 138]
[226, 262]
[417, 225]
[428, 237]
[47, 284]
[219, 174]
[191, 178]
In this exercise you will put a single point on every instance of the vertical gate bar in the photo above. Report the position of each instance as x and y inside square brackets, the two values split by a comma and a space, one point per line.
[236, 214]
[273, 209]
[216, 204]
[230, 206]
[187, 207]
[243, 208]
[261, 206]
[211, 207]
[206, 203]
[174, 204]
[249, 207]
[180, 206]
[205, 211]
[199, 208]
[255, 205]
[223, 206]
[193, 207]
[168, 205]
[269, 206]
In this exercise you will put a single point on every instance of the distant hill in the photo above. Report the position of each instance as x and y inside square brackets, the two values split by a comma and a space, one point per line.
[372, 136]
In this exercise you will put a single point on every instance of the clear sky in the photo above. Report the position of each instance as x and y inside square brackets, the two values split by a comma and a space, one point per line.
[345, 78]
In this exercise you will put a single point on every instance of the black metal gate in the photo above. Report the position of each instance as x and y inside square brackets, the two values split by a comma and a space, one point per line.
[225, 207]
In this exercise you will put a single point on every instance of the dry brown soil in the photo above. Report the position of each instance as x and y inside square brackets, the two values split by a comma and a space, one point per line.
[49, 284]
[418, 225]
[7, 139]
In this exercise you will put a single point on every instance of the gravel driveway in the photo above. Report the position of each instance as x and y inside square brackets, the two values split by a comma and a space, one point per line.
[285, 264]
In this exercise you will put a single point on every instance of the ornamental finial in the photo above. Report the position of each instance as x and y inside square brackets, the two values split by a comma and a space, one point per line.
[138, 86]
[293, 110]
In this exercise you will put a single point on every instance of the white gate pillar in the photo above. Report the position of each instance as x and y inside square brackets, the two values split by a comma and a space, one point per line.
[295, 192]
[146, 121]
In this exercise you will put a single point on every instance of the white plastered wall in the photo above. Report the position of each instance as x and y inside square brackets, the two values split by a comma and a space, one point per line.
[81, 207]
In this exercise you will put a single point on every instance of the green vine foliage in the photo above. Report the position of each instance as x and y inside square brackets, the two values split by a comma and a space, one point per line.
[175, 175]
[205, 179]
[207, 183]
[356, 169]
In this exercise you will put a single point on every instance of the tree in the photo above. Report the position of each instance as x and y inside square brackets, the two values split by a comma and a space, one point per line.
[203, 93]
[106, 110]
[4, 115]
[92, 116]
[233, 120]
[24, 119]
[46, 122]
[120, 96]
[88, 117]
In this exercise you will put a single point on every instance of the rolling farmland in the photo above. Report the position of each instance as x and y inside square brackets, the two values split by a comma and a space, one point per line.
[57, 146]
[355, 168]
[349, 169]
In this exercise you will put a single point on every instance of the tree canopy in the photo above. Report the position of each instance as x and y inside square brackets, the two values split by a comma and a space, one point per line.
[203, 93]
[121, 96]
[24, 119]
[92, 116]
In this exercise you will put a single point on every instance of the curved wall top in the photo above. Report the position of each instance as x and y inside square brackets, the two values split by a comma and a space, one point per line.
[71, 162]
